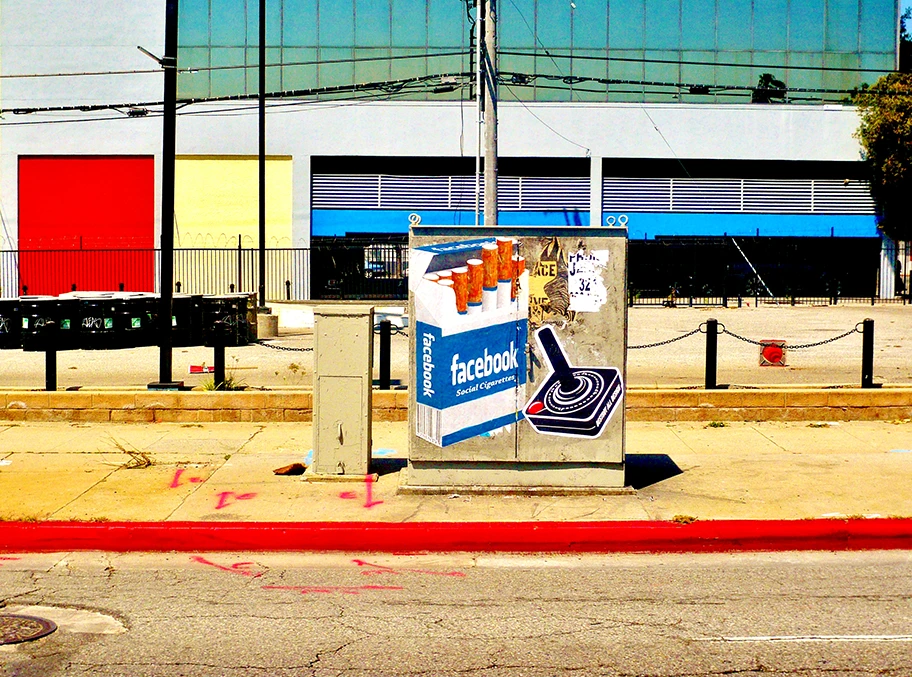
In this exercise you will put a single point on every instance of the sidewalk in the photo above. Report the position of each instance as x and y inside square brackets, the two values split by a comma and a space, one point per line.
[220, 476]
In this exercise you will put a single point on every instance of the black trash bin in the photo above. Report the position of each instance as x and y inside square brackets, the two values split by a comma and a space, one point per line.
[131, 320]
[39, 323]
[96, 326]
[10, 324]
[224, 320]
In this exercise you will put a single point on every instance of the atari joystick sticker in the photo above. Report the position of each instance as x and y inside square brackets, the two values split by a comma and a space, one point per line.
[573, 401]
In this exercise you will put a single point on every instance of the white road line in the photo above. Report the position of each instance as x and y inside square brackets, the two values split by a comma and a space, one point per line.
[811, 638]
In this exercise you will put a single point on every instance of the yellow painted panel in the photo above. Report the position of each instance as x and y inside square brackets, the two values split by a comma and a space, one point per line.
[216, 199]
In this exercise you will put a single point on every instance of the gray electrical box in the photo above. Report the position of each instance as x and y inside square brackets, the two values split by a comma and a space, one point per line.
[343, 367]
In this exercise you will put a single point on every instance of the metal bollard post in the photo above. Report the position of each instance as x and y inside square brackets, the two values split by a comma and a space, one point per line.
[218, 377]
[712, 341]
[386, 331]
[739, 301]
[867, 354]
[177, 286]
[288, 290]
[50, 369]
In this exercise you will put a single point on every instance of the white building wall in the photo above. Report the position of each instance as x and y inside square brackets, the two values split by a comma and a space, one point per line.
[37, 36]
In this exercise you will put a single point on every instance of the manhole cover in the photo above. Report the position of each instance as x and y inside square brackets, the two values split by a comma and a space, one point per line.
[15, 629]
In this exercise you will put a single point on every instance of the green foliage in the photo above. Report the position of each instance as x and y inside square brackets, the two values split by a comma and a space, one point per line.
[885, 133]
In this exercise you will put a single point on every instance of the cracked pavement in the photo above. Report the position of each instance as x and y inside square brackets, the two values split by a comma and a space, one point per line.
[472, 614]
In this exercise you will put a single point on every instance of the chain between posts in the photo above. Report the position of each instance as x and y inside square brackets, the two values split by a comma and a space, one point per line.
[723, 330]
[394, 330]
[285, 348]
[798, 346]
[698, 330]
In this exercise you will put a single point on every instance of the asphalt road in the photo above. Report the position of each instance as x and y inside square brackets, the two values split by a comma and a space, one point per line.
[228, 615]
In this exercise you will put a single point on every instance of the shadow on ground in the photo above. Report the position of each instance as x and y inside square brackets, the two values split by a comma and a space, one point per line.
[385, 466]
[643, 470]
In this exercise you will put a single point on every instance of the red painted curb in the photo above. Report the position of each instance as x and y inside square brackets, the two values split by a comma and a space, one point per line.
[709, 536]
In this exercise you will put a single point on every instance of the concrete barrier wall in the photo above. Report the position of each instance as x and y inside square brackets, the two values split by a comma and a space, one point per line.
[843, 404]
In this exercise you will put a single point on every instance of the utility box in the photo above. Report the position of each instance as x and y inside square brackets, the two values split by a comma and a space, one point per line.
[518, 346]
[343, 369]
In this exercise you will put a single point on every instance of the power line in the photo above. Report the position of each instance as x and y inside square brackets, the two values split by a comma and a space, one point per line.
[196, 69]
[683, 62]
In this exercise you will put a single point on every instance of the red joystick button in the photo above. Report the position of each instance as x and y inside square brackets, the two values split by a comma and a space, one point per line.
[535, 407]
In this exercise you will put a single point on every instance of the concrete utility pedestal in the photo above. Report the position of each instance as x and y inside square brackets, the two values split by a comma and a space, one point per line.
[518, 342]
[343, 367]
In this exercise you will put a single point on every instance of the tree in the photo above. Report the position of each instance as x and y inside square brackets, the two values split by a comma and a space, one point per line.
[886, 137]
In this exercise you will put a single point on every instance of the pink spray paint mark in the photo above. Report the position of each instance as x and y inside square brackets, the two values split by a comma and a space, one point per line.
[375, 569]
[369, 482]
[8, 559]
[176, 482]
[237, 568]
[348, 494]
[226, 498]
[330, 589]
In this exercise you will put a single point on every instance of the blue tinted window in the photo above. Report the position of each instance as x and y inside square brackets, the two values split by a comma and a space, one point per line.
[337, 23]
[446, 27]
[806, 26]
[625, 24]
[733, 25]
[663, 24]
[516, 22]
[193, 23]
[228, 23]
[553, 23]
[300, 23]
[409, 23]
[590, 25]
[372, 23]
[771, 28]
[878, 26]
[842, 25]
[698, 24]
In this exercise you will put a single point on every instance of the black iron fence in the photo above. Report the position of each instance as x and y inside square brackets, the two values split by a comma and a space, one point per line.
[664, 271]
[715, 271]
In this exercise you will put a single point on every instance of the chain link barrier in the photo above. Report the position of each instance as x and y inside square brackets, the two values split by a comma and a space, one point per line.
[723, 330]
[394, 330]
[698, 330]
[285, 348]
[797, 346]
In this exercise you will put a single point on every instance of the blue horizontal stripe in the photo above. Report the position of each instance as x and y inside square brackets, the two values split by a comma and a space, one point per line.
[641, 226]
[327, 222]
[481, 428]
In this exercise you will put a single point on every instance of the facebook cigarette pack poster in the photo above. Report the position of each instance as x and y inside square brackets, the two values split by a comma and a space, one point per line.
[471, 311]
[480, 316]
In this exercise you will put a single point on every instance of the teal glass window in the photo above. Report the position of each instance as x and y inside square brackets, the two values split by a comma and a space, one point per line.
[679, 43]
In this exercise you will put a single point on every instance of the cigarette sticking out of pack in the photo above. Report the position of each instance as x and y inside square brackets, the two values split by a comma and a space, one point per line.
[519, 267]
[431, 277]
[490, 259]
[445, 274]
[475, 279]
[461, 287]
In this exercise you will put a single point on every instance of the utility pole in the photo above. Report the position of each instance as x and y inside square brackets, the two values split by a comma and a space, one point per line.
[262, 158]
[490, 113]
[169, 130]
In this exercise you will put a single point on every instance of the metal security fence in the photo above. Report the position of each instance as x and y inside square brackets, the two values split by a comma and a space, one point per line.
[664, 271]
[777, 270]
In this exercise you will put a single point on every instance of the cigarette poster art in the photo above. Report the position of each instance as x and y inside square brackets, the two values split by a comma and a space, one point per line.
[474, 303]
[471, 322]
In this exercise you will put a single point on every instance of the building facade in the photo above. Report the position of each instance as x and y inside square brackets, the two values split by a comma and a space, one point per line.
[689, 122]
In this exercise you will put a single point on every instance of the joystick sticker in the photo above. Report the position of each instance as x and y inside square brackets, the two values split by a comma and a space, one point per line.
[572, 401]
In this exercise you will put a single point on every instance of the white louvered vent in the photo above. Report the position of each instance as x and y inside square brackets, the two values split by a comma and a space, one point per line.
[636, 195]
[759, 196]
[358, 191]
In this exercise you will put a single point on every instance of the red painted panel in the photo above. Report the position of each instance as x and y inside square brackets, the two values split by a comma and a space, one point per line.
[86, 203]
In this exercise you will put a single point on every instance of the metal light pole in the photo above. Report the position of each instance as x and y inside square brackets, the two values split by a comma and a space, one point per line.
[262, 158]
[169, 129]
[490, 114]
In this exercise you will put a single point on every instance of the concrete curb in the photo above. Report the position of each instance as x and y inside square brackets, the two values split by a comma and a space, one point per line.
[141, 406]
[577, 537]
